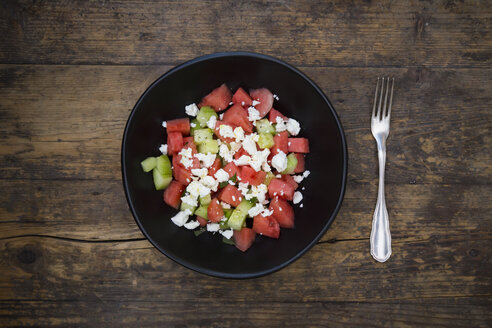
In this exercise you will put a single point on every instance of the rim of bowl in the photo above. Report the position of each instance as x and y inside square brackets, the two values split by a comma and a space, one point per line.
[198, 268]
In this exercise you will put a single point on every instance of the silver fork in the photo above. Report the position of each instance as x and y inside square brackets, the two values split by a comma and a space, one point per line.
[380, 126]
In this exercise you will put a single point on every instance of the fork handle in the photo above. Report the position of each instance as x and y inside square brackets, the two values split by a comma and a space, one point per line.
[380, 233]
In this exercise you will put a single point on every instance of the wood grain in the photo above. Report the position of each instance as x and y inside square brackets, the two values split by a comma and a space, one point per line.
[319, 33]
[71, 254]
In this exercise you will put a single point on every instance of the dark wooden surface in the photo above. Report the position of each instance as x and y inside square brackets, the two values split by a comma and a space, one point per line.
[70, 251]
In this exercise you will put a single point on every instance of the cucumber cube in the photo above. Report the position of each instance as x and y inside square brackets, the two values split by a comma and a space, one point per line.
[148, 164]
[193, 129]
[206, 200]
[208, 146]
[205, 114]
[264, 126]
[268, 178]
[185, 206]
[291, 164]
[163, 165]
[237, 219]
[161, 181]
[265, 140]
[202, 134]
[202, 211]
[227, 212]
[245, 206]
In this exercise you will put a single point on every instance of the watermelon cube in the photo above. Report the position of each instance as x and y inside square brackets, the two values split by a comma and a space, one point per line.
[242, 98]
[272, 116]
[244, 238]
[238, 116]
[181, 125]
[266, 226]
[298, 145]
[231, 195]
[265, 97]
[218, 99]
[300, 163]
[249, 175]
[281, 189]
[172, 194]
[282, 212]
[174, 142]
[214, 211]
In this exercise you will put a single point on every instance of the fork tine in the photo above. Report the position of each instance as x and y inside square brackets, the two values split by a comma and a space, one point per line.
[391, 98]
[384, 111]
[375, 99]
[380, 99]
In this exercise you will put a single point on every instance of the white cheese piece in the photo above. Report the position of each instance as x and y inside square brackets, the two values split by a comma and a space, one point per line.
[293, 127]
[163, 149]
[306, 173]
[226, 131]
[192, 225]
[190, 200]
[253, 114]
[243, 160]
[201, 173]
[279, 161]
[298, 178]
[211, 122]
[221, 175]
[249, 144]
[225, 205]
[191, 110]
[239, 134]
[210, 183]
[181, 217]
[197, 189]
[164, 124]
[276, 97]
[255, 210]
[225, 153]
[227, 233]
[221, 116]
[206, 159]
[266, 212]
[256, 102]
[301, 206]
[213, 227]
[281, 126]
[297, 197]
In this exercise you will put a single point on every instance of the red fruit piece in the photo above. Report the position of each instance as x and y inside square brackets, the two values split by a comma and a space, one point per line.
[290, 180]
[217, 132]
[238, 116]
[298, 145]
[280, 189]
[265, 97]
[172, 194]
[242, 98]
[272, 116]
[174, 142]
[231, 195]
[215, 167]
[244, 238]
[280, 143]
[232, 169]
[214, 211]
[218, 99]
[201, 220]
[282, 212]
[249, 175]
[300, 163]
[266, 226]
[181, 125]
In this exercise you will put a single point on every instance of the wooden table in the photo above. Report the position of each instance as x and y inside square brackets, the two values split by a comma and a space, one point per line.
[70, 251]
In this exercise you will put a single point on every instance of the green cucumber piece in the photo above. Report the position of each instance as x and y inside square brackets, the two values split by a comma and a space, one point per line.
[198, 232]
[238, 216]
[163, 165]
[193, 129]
[202, 134]
[264, 126]
[228, 241]
[160, 181]
[202, 211]
[227, 212]
[269, 177]
[291, 164]
[223, 225]
[205, 200]
[208, 146]
[205, 114]
[185, 206]
[148, 164]
[237, 219]
[265, 140]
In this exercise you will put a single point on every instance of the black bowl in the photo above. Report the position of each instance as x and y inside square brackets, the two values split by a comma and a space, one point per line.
[300, 98]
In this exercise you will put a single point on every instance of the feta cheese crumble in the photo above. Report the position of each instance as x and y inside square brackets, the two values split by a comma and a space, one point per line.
[227, 233]
[181, 218]
[256, 102]
[293, 127]
[206, 159]
[211, 122]
[297, 197]
[306, 173]
[281, 126]
[201, 173]
[298, 178]
[213, 227]
[266, 212]
[164, 124]
[255, 210]
[191, 110]
[186, 157]
[163, 149]
[239, 134]
[276, 97]
[279, 161]
[192, 225]
[243, 160]
[253, 114]
[189, 200]
[226, 131]
[221, 175]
